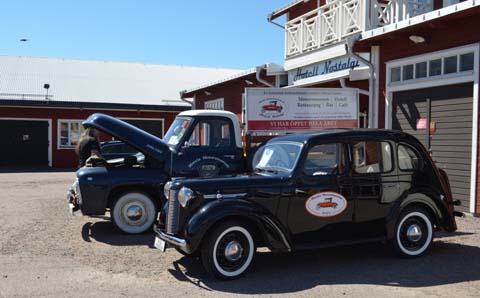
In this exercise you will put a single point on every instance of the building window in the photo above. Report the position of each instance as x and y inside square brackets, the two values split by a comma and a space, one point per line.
[450, 65]
[435, 67]
[408, 72]
[69, 132]
[214, 104]
[466, 62]
[396, 74]
[438, 66]
[421, 70]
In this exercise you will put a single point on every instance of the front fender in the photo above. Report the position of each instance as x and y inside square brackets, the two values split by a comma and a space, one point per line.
[432, 201]
[272, 231]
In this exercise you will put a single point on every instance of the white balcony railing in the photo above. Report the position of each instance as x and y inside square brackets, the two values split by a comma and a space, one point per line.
[338, 19]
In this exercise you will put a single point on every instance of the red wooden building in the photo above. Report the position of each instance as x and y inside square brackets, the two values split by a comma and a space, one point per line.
[415, 62]
[43, 102]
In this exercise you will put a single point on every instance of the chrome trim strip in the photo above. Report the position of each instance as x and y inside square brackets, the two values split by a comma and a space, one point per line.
[226, 196]
[175, 241]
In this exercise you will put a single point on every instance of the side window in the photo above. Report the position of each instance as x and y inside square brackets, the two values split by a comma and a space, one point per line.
[200, 135]
[325, 159]
[407, 158]
[214, 133]
[372, 157]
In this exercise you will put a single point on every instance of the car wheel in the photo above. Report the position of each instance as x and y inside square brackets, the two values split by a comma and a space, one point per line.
[228, 251]
[413, 233]
[134, 213]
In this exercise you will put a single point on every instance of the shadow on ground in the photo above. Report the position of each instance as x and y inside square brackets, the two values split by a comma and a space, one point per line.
[105, 232]
[375, 264]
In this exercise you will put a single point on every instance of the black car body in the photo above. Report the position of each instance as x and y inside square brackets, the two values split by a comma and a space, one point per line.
[132, 187]
[309, 191]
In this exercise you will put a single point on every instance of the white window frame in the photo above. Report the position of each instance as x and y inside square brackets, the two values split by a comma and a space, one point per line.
[442, 80]
[69, 121]
[49, 120]
[214, 104]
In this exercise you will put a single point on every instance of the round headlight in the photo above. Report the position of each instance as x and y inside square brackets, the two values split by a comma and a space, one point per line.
[185, 195]
[166, 189]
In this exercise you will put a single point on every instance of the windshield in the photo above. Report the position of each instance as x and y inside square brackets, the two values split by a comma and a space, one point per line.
[277, 157]
[177, 130]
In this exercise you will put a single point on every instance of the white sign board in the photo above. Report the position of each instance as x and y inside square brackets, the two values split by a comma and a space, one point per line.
[300, 109]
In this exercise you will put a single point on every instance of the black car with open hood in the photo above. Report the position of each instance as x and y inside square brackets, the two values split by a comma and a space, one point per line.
[331, 188]
[131, 188]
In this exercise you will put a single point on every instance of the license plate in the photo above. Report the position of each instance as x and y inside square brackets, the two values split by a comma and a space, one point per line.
[160, 244]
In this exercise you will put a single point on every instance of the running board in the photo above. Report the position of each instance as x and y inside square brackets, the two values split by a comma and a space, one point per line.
[327, 244]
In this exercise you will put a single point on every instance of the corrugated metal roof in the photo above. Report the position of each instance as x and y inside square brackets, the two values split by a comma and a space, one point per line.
[71, 80]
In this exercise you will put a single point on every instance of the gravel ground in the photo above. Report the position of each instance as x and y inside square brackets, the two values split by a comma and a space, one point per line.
[46, 253]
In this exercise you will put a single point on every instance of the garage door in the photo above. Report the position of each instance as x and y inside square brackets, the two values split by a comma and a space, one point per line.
[23, 143]
[155, 127]
[451, 143]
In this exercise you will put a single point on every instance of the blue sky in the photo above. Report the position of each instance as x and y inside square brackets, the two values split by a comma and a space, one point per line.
[216, 33]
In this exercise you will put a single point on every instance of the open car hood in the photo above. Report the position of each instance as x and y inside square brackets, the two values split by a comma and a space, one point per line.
[133, 136]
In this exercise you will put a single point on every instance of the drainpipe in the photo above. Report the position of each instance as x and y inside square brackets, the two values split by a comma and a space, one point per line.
[259, 79]
[269, 19]
[191, 103]
[371, 91]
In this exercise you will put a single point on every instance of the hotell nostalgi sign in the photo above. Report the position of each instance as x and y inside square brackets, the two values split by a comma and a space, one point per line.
[301, 109]
[322, 68]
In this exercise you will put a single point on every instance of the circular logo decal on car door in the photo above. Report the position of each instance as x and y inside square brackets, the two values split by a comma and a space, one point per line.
[326, 204]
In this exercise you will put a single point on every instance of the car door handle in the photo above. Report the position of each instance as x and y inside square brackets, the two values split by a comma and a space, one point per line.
[300, 192]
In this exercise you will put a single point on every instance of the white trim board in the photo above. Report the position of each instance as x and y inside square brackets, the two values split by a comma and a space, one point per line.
[49, 120]
[456, 78]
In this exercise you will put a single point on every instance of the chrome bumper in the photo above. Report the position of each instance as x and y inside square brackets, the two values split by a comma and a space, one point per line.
[72, 206]
[172, 240]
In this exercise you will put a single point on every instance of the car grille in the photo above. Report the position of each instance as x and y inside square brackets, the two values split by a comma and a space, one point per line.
[172, 215]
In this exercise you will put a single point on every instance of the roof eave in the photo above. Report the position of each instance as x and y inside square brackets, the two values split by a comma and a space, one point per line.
[281, 11]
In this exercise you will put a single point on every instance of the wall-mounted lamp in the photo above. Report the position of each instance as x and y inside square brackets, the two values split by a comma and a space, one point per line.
[46, 87]
[207, 93]
[417, 38]
[248, 82]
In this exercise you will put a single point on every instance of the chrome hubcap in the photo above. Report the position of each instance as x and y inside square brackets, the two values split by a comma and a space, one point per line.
[233, 251]
[414, 233]
[133, 213]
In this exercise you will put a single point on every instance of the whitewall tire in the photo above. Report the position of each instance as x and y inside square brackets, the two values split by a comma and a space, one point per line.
[413, 233]
[228, 252]
[133, 213]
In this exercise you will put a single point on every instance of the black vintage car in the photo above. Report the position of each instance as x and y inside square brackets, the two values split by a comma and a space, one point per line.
[198, 143]
[331, 188]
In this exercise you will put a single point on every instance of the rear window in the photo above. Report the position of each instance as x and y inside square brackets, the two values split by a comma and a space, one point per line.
[408, 159]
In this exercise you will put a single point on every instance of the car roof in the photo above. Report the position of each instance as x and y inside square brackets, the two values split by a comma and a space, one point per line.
[345, 135]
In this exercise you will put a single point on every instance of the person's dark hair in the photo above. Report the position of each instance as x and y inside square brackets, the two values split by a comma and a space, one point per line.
[89, 132]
